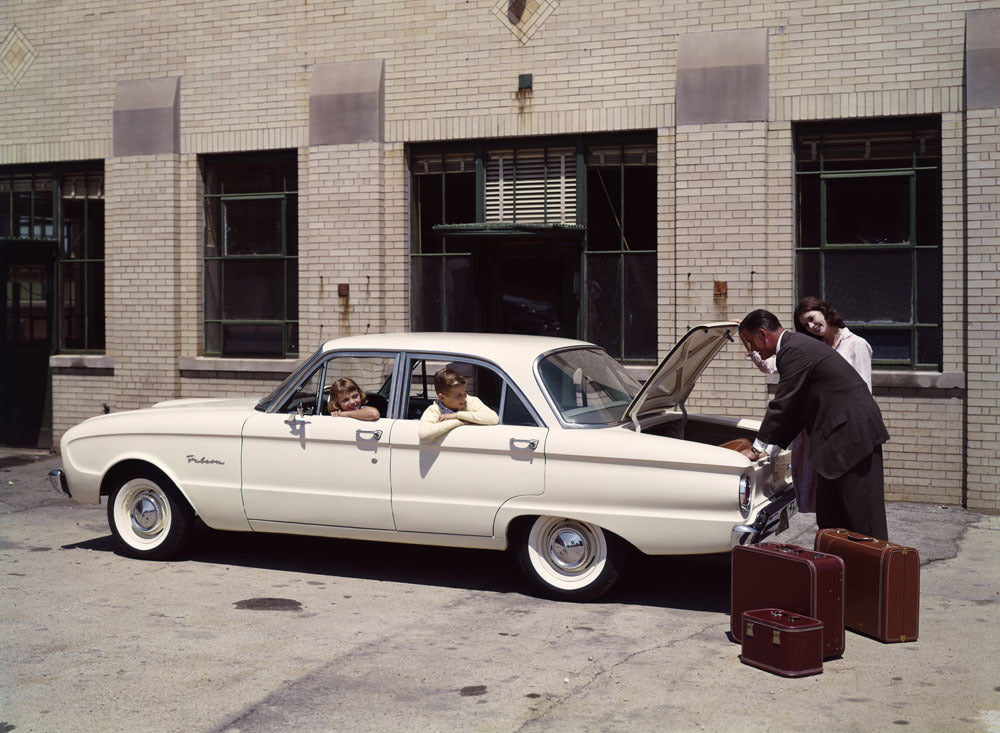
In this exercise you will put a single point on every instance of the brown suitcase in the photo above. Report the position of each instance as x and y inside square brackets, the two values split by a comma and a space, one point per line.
[782, 642]
[882, 588]
[796, 579]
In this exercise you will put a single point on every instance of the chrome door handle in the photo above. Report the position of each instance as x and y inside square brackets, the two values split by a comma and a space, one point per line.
[529, 443]
[375, 434]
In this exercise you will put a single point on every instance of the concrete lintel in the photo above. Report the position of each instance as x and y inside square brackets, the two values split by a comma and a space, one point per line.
[347, 102]
[982, 59]
[147, 117]
[722, 77]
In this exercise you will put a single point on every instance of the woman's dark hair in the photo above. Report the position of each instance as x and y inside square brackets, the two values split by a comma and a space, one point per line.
[812, 303]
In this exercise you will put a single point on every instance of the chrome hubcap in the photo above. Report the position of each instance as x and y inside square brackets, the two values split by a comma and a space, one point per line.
[146, 514]
[568, 549]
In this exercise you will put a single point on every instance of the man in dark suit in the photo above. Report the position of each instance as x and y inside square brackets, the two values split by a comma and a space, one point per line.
[820, 392]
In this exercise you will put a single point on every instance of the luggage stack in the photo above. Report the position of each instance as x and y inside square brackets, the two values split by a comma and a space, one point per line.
[790, 604]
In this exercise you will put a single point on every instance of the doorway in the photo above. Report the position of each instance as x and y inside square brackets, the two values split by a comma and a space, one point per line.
[27, 327]
[509, 285]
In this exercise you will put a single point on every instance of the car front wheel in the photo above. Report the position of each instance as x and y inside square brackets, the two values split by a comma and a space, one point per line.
[568, 560]
[148, 518]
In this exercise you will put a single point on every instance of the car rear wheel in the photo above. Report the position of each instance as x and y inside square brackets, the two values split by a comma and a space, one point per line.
[568, 560]
[148, 517]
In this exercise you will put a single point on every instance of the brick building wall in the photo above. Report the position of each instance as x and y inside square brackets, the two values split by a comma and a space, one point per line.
[725, 189]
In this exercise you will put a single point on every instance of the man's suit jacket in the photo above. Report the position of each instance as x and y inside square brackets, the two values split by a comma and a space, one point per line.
[819, 391]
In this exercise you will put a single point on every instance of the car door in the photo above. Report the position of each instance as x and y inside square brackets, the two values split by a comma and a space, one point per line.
[302, 465]
[456, 484]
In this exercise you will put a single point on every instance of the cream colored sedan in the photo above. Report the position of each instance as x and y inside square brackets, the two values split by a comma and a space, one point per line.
[584, 467]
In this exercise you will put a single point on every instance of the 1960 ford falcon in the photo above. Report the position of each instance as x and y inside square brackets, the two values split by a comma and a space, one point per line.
[585, 466]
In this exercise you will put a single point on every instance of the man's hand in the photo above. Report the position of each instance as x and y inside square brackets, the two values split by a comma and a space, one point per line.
[752, 454]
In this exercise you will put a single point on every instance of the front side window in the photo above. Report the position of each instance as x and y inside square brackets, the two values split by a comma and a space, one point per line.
[371, 373]
[868, 215]
[481, 381]
[251, 254]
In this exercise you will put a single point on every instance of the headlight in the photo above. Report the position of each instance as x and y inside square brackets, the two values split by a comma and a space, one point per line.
[746, 493]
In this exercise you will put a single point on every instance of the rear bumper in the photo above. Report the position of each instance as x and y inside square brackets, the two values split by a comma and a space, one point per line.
[772, 519]
[57, 478]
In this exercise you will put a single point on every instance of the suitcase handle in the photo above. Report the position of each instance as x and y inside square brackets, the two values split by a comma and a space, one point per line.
[789, 616]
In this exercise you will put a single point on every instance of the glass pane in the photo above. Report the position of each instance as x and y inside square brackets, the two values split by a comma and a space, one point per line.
[425, 298]
[253, 226]
[213, 289]
[95, 228]
[460, 197]
[292, 338]
[95, 306]
[253, 290]
[263, 340]
[887, 345]
[808, 210]
[292, 289]
[868, 210]
[640, 208]
[929, 286]
[807, 149]
[213, 338]
[807, 274]
[44, 216]
[213, 227]
[640, 311]
[603, 208]
[514, 411]
[429, 212]
[259, 173]
[928, 207]
[22, 208]
[73, 228]
[5, 201]
[870, 287]
[929, 346]
[292, 225]
[72, 286]
[604, 305]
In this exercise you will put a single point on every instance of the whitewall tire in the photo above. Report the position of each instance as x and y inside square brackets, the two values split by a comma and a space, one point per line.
[565, 559]
[148, 517]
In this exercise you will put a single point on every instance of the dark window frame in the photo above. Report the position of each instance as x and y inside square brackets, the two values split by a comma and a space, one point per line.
[442, 248]
[219, 325]
[885, 159]
[80, 318]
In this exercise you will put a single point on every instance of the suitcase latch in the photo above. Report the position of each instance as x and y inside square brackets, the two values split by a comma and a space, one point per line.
[749, 628]
[776, 638]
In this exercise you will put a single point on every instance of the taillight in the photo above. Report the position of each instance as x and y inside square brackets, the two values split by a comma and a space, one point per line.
[746, 493]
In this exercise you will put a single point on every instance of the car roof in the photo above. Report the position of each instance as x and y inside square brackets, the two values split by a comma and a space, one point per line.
[496, 347]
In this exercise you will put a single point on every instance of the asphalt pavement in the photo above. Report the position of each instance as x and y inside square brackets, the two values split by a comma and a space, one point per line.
[250, 634]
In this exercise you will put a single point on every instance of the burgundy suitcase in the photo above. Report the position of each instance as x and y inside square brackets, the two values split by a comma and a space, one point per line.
[803, 581]
[882, 588]
[781, 642]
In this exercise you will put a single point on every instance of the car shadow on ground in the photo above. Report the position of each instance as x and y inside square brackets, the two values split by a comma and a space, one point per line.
[699, 582]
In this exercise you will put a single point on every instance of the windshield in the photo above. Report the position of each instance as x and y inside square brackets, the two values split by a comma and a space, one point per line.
[586, 386]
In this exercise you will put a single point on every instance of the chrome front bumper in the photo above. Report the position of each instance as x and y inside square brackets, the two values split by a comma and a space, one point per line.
[772, 519]
[58, 480]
